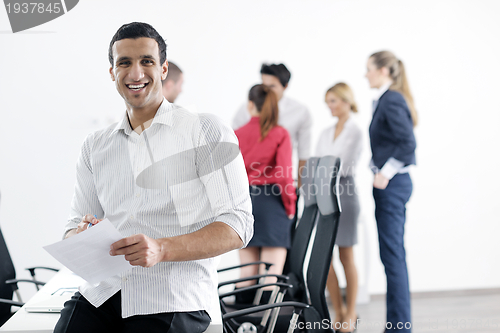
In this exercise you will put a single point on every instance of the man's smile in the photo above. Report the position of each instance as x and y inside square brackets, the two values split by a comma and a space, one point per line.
[137, 87]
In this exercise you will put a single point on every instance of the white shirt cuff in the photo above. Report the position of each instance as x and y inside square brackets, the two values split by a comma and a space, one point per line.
[391, 168]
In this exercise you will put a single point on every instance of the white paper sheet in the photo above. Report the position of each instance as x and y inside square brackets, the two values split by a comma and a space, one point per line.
[87, 253]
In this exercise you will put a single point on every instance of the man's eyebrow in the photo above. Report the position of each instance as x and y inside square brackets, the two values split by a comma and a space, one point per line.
[145, 56]
[122, 59]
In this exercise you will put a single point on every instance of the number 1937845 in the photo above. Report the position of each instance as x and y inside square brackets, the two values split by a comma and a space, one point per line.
[33, 7]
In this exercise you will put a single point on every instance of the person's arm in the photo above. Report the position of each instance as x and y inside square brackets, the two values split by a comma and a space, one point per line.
[210, 241]
[284, 162]
[227, 191]
[401, 127]
[304, 142]
[87, 221]
[351, 150]
[85, 203]
[398, 119]
[388, 171]
[321, 143]
[241, 117]
[302, 163]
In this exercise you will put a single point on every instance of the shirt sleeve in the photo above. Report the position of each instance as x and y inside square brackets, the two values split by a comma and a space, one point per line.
[85, 199]
[391, 168]
[321, 143]
[401, 126]
[351, 151]
[224, 177]
[284, 162]
[304, 136]
[241, 117]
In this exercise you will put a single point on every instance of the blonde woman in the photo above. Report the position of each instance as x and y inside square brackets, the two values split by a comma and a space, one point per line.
[393, 151]
[343, 140]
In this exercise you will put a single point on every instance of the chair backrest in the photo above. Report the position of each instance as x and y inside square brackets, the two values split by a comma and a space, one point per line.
[326, 184]
[297, 253]
[7, 272]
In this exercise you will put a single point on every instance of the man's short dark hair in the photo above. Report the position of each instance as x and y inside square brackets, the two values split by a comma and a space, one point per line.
[136, 30]
[280, 71]
[174, 72]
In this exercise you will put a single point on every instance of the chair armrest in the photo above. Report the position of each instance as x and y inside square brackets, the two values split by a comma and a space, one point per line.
[268, 265]
[13, 283]
[258, 308]
[255, 286]
[8, 301]
[254, 277]
[32, 269]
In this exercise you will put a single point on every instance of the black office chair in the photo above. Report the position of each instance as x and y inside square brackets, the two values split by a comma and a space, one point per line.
[7, 273]
[324, 241]
[8, 282]
[295, 257]
[316, 312]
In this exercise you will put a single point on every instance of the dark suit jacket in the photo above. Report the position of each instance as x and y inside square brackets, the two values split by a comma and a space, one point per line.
[391, 130]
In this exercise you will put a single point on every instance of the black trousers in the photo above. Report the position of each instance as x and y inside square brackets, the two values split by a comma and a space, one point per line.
[79, 316]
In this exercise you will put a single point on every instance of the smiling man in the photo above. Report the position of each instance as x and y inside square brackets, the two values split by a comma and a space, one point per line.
[163, 178]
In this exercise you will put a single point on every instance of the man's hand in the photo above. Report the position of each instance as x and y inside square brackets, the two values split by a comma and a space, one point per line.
[380, 181]
[139, 250]
[87, 220]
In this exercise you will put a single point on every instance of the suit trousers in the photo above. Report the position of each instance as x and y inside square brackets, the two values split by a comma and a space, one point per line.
[79, 316]
[390, 213]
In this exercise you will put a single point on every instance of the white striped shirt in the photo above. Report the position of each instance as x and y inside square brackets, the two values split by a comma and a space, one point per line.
[197, 178]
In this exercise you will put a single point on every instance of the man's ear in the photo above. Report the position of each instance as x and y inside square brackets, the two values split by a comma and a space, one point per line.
[164, 71]
[112, 74]
[286, 86]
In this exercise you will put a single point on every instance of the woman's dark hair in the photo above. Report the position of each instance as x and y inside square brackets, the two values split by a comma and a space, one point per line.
[280, 71]
[266, 102]
[136, 30]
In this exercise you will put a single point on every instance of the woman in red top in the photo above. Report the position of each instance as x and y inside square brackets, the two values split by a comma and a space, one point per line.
[267, 152]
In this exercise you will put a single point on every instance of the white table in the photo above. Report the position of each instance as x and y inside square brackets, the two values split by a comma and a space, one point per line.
[28, 322]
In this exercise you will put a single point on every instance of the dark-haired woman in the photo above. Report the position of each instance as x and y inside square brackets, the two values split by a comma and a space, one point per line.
[267, 152]
[393, 151]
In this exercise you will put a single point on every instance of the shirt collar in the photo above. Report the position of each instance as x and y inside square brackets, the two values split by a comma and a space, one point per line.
[382, 90]
[283, 102]
[162, 116]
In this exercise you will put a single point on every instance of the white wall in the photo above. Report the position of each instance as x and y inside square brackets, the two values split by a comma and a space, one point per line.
[55, 88]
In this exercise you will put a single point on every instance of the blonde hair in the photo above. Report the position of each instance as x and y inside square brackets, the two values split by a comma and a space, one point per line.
[397, 73]
[344, 92]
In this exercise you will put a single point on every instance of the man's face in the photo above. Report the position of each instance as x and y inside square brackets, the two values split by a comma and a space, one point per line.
[273, 83]
[137, 72]
[172, 89]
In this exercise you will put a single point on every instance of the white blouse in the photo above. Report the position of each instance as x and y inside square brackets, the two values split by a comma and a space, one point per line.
[347, 145]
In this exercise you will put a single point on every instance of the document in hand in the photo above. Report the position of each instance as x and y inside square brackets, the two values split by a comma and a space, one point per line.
[87, 253]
